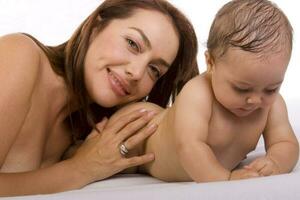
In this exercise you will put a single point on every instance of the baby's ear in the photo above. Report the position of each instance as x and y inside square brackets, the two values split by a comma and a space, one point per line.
[210, 63]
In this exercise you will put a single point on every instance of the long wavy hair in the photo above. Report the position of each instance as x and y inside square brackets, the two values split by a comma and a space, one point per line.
[67, 59]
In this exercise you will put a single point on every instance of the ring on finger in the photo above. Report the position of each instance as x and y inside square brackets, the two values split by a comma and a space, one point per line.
[123, 149]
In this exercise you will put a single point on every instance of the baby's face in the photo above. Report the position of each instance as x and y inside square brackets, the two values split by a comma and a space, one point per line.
[243, 82]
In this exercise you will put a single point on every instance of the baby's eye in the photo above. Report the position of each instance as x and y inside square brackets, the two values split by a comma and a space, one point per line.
[241, 90]
[155, 71]
[272, 91]
[133, 45]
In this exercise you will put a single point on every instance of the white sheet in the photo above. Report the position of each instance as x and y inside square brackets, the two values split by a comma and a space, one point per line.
[141, 187]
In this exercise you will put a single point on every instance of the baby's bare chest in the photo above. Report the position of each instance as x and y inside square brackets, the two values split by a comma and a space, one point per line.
[232, 139]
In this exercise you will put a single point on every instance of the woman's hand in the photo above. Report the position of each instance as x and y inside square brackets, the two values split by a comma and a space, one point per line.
[99, 155]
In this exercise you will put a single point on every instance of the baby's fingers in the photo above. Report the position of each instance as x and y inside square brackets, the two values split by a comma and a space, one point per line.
[266, 171]
[251, 174]
[257, 165]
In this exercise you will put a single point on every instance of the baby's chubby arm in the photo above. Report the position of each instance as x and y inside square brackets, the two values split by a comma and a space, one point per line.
[191, 115]
[280, 142]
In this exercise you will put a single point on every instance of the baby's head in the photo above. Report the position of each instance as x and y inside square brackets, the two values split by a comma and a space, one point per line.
[256, 26]
[249, 47]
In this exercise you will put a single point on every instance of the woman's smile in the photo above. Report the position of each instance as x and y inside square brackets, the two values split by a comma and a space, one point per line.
[119, 86]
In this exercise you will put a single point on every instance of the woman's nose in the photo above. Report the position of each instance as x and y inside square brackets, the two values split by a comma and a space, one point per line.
[136, 70]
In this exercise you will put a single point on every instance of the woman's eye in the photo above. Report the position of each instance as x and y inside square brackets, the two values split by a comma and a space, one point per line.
[155, 71]
[133, 45]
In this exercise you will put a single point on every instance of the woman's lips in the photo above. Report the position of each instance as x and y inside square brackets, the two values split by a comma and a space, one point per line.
[117, 84]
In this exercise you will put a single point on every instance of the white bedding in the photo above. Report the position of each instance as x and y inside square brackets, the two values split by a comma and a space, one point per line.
[129, 187]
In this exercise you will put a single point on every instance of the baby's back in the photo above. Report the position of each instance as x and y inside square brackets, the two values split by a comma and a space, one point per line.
[166, 165]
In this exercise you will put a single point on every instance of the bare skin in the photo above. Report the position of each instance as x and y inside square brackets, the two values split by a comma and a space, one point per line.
[227, 147]
[34, 105]
[38, 134]
[200, 139]
[37, 120]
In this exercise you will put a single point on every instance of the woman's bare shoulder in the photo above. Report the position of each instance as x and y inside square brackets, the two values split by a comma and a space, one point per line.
[19, 72]
[19, 40]
[20, 50]
[20, 60]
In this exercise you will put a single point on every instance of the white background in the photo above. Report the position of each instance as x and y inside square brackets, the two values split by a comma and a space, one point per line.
[53, 21]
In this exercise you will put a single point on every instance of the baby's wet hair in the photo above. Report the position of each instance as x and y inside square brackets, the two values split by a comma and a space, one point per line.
[256, 26]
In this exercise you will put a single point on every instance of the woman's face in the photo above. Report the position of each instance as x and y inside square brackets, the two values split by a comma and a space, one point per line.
[125, 60]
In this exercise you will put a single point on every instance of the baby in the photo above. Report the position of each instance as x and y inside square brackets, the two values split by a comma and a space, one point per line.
[219, 116]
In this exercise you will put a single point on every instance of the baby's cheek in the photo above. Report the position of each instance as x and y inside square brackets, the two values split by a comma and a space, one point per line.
[269, 100]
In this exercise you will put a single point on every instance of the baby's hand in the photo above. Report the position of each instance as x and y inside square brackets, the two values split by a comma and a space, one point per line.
[243, 174]
[265, 166]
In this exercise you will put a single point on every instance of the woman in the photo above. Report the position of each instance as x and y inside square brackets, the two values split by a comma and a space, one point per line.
[52, 96]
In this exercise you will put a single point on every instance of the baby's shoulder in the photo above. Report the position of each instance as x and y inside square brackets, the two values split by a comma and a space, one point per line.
[198, 88]
[278, 106]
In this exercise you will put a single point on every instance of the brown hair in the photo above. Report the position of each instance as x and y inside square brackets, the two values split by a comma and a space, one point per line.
[256, 26]
[68, 58]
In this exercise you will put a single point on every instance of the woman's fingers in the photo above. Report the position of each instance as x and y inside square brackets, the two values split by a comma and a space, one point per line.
[134, 140]
[93, 134]
[136, 126]
[137, 160]
[103, 154]
[99, 128]
[124, 120]
[101, 125]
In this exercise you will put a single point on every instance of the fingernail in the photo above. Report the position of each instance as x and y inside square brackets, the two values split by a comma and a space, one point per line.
[151, 113]
[142, 110]
[152, 127]
[151, 156]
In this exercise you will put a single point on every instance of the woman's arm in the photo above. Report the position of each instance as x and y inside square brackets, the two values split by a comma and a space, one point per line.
[97, 158]
[19, 69]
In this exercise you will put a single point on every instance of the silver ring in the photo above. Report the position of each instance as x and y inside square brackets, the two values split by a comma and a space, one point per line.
[123, 149]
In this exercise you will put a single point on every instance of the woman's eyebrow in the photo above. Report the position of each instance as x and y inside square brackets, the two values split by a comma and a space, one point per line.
[144, 37]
